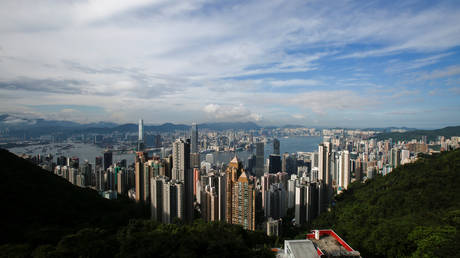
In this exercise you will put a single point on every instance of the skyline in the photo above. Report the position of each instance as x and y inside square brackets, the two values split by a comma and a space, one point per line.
[346, 64]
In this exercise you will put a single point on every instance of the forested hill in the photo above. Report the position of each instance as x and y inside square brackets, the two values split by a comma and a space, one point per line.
[413, 212]
[43, 215]
[417, 134]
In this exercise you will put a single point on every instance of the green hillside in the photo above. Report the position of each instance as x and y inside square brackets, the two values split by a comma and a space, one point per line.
[43, 215]
[412, 212]
[417, 134]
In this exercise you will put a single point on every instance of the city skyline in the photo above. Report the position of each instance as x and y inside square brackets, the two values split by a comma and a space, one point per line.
[347, 64]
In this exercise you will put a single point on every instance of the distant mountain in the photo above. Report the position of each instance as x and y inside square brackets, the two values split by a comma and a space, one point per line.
[417, 134]
[412, 212]
[18, 126]
[389, 129]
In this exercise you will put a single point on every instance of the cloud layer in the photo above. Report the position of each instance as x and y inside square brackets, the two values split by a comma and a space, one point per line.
[343, 63]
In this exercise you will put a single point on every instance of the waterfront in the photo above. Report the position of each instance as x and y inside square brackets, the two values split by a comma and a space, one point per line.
[90, 151]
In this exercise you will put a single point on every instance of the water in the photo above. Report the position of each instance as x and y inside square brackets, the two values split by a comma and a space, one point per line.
[90, 152]
[291, 144]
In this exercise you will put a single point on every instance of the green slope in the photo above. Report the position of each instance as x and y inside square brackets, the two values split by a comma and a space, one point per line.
[413, 211]
[40, 207]
[43, 215]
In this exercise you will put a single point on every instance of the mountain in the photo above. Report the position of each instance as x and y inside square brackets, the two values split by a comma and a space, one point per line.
[417, 134]
[412, 212]
[43, 215]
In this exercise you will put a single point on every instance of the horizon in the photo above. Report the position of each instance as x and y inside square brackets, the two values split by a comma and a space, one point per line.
[349, 64]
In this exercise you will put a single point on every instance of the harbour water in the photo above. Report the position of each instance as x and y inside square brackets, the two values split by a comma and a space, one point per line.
[90, 152]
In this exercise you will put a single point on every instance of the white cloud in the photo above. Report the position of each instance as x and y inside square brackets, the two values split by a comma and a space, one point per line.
[231, 113]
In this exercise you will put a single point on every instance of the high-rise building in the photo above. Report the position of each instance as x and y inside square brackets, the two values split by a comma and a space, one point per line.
[107, 159]
[274, 164]
[156, 195]
[181, 171]
[234, 170]
[276, 146]
[259, 169]
[140, 142]
[344, 177]
[140, 159]
[194, 139]
[243, 203]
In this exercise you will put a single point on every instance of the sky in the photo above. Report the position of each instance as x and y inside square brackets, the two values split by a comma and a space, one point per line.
[313, 63]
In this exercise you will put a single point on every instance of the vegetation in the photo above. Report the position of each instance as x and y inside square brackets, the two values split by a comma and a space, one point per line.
[412, 212]
[43, 215]
[417, 134]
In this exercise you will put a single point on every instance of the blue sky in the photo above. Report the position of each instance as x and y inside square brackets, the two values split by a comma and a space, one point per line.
[315, 63]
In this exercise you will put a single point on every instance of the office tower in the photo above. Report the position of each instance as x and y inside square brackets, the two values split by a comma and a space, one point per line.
[107, 159]
[276, 146]
[181, 202]
[86, 171]
[98, 162]
[140, 159]
[275, 201]
[122, 182]
[273, 227]
[234, 170]
[324, 174]
[395, 157]
[292, 183]
[140, 142]
[306, 203]
[274, 163]
[251, 164]
[344, 171]
[169, 202]
[243, 203]
[181, 171]
[194, 139]
[194, 160]
[156, 195]
[259, 169]
[221, 187]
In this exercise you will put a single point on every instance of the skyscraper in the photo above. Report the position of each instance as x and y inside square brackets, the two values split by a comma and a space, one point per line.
[181, 171]
[194, 139]
[276, 146]
[140, 143]
[107, 159]
[344, 171]
[259, 169]
[243, 203]
[139, 161]
[234, 170]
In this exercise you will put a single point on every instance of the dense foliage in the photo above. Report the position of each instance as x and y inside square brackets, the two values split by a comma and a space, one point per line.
[43, 215]
[412, 212]
[417, 134]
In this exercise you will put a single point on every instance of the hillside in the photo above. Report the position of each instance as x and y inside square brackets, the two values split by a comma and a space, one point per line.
[40, 205]
[417, 134]
[43, 215]
[413, 211]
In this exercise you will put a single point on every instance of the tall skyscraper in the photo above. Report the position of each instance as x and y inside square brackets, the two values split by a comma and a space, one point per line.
[107, 159]
[139, 161]
[140, 142]
[274, 163]
[276, 146]
[234, 170]
[259, 169]
[194, 139]
[156, 195]
[243, 203]
[344, 171]
[181, 171]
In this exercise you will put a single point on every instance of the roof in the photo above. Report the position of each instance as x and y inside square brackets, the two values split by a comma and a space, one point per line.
[300, 248]
[332, 244]
[235, 160]
[243, 178]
